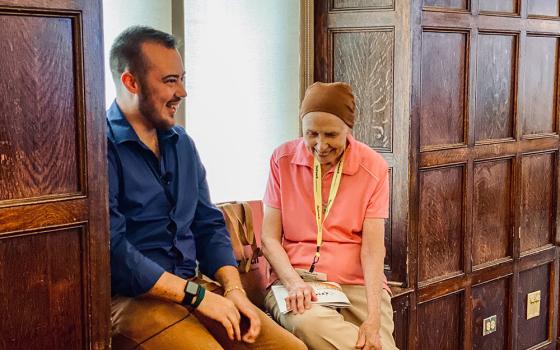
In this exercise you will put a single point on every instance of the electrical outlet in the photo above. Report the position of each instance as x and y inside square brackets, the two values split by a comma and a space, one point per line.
[533, 304]
[489, 325]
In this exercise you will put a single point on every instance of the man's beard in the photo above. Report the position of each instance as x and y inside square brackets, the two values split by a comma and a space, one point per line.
[148, 110]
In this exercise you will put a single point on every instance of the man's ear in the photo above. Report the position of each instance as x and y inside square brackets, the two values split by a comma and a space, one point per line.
[129, 82]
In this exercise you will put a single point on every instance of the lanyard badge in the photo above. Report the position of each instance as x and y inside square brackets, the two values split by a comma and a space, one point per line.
[317, 191]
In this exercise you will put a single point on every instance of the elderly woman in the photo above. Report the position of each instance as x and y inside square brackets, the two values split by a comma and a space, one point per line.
[326, 200]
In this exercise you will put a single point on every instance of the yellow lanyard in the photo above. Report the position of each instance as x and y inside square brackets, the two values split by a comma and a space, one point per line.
[317, 188]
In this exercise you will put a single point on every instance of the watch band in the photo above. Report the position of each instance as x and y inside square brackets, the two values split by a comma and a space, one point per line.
[200, 295]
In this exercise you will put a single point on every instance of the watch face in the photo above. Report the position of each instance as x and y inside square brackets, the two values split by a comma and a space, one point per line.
[192, 288]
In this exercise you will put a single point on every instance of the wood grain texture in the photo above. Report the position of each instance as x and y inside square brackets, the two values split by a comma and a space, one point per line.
[535, 330]
[389, 224]
[492, 222]
[542, 7]
[481, 183]
[443, 88]
[365, 60]
[31, 217]
[99, 294]
[440, 236]
[537, 184]
[495, 86]
[401, 307]
[492, 298]
[454, 4]
[38, 140]
[506, 6]
[440, 323]
[394, 22]
[66, 119]
[358, 4]
[485, 151]
[44, 290]
[540, 79]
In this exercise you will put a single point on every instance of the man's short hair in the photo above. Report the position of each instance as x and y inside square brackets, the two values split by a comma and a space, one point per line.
[126, 51]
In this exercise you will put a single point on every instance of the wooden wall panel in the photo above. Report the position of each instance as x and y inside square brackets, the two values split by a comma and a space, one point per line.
[365, 60]
[495, 86]
[54, 239]
[535, 330]
[50, 314]
[488, 299]
[507, 6]
[401, 306]
[537, 185]
[366, 43]
[38, 150]
[492, 222]
[443, 88]
[440, 323]
[440, 235]
[543, 7]
[540, 85]
[357, 4]
[389, 224]
[484, 100]
[454, 4]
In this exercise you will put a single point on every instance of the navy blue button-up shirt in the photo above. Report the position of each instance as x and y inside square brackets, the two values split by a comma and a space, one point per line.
[162, 218]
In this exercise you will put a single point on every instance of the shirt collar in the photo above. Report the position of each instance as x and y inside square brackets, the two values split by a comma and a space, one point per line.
[122, 130]
[351, 160]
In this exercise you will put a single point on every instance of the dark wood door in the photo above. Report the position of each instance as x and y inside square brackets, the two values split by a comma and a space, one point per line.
[484, 175]
[367, 44]
[364, 43]
[54, 277]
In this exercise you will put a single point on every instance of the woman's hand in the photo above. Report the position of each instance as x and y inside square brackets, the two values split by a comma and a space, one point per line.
[300, 296]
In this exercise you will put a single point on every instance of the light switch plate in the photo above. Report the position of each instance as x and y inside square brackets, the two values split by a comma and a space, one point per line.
[533, 304]
[489, 325]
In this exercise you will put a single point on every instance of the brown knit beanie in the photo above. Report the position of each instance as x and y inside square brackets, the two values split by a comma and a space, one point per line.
[334, 98]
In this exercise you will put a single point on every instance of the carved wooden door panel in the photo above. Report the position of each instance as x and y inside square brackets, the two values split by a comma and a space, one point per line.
[367, 44]
[54, 276]
[484, 176]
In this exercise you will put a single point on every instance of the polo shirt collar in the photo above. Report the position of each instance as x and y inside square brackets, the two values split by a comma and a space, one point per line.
[123, 131]
[352, 158]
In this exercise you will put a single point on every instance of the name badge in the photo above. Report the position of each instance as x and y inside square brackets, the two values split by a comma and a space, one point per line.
[311, 276]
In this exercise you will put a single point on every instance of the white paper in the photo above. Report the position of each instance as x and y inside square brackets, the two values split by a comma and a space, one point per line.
[328, 294]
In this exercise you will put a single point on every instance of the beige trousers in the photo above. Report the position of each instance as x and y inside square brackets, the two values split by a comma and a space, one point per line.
[323, 328]
[151, 324]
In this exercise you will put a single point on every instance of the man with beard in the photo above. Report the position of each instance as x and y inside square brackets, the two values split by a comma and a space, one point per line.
[163, 221]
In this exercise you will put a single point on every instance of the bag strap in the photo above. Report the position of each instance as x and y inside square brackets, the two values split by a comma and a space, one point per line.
[250, 234]
[243, 230]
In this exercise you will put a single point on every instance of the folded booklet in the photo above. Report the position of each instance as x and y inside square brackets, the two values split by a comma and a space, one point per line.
[328, 294]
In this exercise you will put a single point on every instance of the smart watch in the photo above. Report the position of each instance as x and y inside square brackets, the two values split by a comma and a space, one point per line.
[194, 293]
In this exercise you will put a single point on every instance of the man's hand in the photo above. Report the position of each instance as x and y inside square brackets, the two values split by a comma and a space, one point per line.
[249, 310]
[368, 336]
[223, 310]
[300, 296]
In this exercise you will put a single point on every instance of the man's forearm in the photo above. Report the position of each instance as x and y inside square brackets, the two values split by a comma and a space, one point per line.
[228, 277]
[168, 287]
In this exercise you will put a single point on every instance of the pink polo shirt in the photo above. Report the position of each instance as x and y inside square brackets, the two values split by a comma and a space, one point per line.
[363, 193]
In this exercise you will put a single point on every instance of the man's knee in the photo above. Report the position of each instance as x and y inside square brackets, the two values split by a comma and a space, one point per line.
[138, 319]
